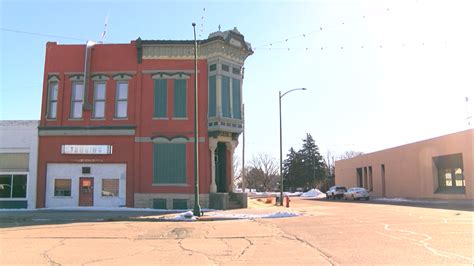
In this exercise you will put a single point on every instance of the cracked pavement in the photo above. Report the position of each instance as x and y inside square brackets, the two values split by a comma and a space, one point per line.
[329, 233]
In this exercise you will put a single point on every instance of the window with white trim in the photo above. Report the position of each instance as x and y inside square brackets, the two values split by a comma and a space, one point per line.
[99, 99]
[77, 99]
[52, 100]
[121, 99]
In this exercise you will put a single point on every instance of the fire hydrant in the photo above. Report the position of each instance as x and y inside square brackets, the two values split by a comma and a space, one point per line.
[287, 199]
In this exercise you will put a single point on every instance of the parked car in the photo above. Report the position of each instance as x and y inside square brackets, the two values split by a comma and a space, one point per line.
[356, 193]
[336, 192]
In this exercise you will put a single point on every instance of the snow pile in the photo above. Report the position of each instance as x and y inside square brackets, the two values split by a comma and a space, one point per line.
[314, 194]
[185, 216]
[294, 194]
[280, 215]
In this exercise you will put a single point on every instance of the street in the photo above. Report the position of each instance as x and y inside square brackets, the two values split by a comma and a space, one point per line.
[326, 232]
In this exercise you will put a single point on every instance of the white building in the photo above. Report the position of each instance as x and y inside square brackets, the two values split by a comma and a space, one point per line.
[18, 164]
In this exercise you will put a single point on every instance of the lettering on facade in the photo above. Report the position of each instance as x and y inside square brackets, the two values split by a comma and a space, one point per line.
[88, 161]
[86, 149]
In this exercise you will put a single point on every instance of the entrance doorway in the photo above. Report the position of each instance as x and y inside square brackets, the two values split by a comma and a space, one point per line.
[221, 169]
[359, 177]
[86, 191]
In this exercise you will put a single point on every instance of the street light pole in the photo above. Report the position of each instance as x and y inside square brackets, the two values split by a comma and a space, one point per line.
[281, 153]
[197, 208]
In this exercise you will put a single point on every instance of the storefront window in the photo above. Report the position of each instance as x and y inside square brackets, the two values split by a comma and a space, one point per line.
[110, 187]
[13, 186]
[62, 187]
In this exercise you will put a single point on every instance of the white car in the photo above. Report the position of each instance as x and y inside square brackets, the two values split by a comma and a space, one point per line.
[336, 192]
[356, 193]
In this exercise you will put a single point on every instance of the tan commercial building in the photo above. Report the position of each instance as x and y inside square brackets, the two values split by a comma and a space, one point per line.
[437, 168]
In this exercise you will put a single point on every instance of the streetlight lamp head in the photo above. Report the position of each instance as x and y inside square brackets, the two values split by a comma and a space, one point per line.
[303, 89]
[194, 24]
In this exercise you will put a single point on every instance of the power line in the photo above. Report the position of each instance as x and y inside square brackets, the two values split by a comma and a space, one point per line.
[43, 35]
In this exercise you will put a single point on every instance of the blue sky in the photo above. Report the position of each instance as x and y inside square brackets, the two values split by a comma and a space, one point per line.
[378, 73]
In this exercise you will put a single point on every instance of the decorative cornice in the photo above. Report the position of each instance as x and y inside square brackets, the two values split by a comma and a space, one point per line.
[53, 77]
[76, 77]
[99, 77]
[122, 76]
[180, 50]
[166, 75]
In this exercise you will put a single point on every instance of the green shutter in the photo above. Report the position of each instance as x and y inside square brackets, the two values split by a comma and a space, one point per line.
[169, 163]
[179, 103]
[212, 96]
[236, 98]
[161, 97]
[225, 96]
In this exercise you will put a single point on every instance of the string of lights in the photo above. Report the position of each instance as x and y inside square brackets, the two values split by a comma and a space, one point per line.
[276, 45]
[361, 46]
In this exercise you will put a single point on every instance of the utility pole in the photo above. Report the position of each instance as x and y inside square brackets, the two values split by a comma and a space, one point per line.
[243, 148]
[197, 208]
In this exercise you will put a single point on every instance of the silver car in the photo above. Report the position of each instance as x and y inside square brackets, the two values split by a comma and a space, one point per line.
[356, 193]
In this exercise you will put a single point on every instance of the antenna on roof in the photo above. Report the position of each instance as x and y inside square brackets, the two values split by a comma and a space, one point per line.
[104, 33]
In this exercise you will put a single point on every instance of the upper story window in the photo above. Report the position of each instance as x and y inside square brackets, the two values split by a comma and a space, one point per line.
[77, 98]
[225, 96]
[99, 99]
[225, 93]
[121, 95]
[179, 98]
[52, 106]
[175, 101]
[121, 99]
[236, 70]
[236, 102]
[212, 96]
[161, 99]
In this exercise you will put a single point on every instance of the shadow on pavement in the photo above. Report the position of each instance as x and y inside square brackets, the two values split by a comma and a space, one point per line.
[18, 218]
[460, 205]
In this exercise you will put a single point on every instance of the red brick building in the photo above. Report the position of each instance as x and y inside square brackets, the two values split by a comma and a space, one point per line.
[117, 123]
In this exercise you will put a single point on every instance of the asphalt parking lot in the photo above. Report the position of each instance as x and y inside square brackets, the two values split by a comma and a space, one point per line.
[325, 232]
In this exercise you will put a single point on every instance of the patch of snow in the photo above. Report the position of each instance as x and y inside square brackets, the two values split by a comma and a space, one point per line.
[314, 194]
[294, 194]
[185, 216]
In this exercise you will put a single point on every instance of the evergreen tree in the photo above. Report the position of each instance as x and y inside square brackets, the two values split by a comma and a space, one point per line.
[305, 168]
[314, 166]
[292, 170]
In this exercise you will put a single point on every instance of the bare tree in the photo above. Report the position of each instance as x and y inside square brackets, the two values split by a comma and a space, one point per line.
[237, 170]
[263, 173]
[330, 162]
[350, 154]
